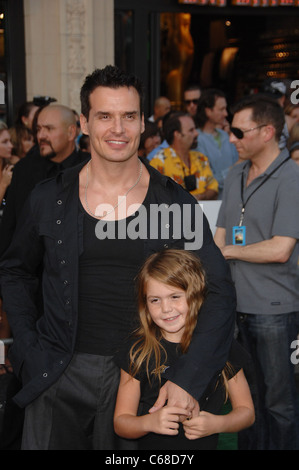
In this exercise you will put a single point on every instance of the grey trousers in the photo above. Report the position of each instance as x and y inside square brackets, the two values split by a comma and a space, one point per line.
[76, 413]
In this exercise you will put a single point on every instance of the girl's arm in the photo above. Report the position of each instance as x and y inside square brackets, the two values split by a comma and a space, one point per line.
[130, 426]
[241, 416]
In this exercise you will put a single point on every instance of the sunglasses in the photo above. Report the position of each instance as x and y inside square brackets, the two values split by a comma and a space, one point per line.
[195, 101]
[240, 134]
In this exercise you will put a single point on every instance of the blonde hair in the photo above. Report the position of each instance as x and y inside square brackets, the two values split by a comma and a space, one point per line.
[180, 269]
[3, 126]
[176, 268]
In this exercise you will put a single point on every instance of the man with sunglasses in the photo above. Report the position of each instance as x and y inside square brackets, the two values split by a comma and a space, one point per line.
[191, 97]
[258, 231]
[212, 140]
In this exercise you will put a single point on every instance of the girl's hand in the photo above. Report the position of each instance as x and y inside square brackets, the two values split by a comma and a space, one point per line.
[201, 426]
[167, 419]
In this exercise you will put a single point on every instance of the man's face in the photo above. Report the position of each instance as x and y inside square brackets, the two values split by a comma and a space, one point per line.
[252, 143]
[191, 98]
[218, 113]
[188, 134]
[114, 124]
[53, 135]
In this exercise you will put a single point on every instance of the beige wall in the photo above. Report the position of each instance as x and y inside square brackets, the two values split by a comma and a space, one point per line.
[64, 41]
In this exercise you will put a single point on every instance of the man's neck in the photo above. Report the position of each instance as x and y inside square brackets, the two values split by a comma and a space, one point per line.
[209, 128]
[61, 156]
[183, 154]
[261, 162]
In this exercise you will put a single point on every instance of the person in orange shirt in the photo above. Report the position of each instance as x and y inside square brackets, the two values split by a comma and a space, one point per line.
[179, 161]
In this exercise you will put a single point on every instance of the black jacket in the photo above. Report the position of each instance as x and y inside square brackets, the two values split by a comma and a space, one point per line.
[29, 171]
[51, 231]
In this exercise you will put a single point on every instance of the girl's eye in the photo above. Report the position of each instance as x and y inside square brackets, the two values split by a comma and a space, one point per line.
[154, 301]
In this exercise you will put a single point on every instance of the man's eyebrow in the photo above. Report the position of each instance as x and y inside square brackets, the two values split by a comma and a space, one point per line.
[101, 113]
[105, 113]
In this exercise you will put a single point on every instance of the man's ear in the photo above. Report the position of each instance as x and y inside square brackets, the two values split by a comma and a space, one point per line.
[269, 132]
[208, 112]
[72, 130]
[83, 124]
[142, 123]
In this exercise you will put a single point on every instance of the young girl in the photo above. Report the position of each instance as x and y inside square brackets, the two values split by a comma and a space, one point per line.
[171, 288]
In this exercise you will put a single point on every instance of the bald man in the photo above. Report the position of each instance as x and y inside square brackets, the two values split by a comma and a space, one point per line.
[162, 106]
[56, 151]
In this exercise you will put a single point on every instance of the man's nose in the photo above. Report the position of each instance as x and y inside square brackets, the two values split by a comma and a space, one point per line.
[232, 138]
[118, 126]
[41, 133]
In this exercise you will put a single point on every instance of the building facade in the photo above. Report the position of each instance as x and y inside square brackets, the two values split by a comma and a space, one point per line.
[48, 47]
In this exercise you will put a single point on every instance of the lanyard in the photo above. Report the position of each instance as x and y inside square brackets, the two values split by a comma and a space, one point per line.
[258, 187]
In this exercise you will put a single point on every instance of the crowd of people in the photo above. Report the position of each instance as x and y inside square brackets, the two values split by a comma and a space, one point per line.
[99, 361]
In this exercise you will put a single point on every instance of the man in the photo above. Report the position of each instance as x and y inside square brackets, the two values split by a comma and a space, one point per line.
[56, 150]
[191, 97]
[278, 91]
[80, 226]
[188, 168]
[258, 232]
[162, 106]
[212, 140]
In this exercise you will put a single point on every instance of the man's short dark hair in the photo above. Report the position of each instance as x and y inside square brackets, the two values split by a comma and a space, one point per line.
[207, 100]
[264, 110]
[109, 77]
[171, 125]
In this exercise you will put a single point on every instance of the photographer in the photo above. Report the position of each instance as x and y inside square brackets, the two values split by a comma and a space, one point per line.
[187, 167]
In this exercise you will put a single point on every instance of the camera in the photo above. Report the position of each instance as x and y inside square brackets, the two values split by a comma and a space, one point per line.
[41, 101]
[190, 182]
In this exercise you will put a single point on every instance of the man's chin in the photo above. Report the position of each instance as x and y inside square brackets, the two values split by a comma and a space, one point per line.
[48, 155]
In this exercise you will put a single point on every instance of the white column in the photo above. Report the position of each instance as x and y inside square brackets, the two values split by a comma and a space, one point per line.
[65, 40]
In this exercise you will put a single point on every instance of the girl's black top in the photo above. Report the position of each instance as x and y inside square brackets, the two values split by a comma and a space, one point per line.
[212, 400]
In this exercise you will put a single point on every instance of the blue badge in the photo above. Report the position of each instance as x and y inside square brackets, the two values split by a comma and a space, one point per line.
[239, 235]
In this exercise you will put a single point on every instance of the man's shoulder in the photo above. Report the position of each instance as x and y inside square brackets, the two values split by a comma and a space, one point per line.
[197, 155]
[166, 189]
[61, 180]
[31, 161]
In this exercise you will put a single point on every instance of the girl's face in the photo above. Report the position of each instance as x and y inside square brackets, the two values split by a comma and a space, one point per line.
[27, 143]
[168, 309]
[5, 144]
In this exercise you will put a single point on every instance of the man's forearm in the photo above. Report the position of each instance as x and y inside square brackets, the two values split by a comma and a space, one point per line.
[275, 250]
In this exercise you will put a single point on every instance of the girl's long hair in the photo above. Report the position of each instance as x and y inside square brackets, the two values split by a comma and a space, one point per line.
[177, 268]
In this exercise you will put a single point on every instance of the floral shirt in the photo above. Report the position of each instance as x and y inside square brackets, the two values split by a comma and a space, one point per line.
[169, 163]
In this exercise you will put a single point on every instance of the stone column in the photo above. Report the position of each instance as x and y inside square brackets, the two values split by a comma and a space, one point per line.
[65, 40]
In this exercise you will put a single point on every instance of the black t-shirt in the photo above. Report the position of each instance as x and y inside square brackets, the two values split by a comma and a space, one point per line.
[107, 296]
[212, 400]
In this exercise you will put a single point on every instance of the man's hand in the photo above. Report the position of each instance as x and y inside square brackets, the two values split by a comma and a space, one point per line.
[167, 419]
[176, 396]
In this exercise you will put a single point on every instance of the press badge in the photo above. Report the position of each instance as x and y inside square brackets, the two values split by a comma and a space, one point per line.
[239, 235]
